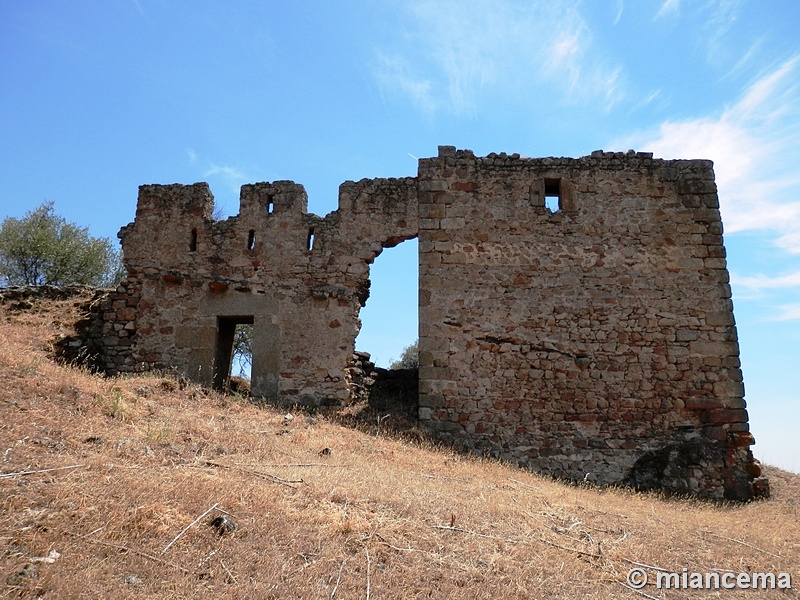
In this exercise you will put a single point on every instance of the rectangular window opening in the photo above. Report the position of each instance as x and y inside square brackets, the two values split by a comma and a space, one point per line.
[193, 241]
[233, 351]
[552, 194]
[251, 239]
[310, 241]
[270, 204]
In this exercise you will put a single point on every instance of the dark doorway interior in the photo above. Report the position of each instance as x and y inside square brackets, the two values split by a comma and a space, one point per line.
[226, 331]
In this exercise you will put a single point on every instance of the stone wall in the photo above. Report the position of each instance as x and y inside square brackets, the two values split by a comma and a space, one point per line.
[299, 278]
[592, 340]
[595, 341]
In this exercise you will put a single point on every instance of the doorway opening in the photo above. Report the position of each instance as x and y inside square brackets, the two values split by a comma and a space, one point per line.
[389, 387]
[389, 318]
[234, 350]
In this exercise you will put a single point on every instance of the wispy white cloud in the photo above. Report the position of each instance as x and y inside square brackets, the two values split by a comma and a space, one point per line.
[722, 15]
[138, 7]
[620, 9]
[668, 9]
[655, 97]
[763, 282]
[755, 146]
[397, 74]
[746, 59]
[225, 172]
[716, 17]
[777, 295]
[788, 312]
[451, 51]
[231, 177]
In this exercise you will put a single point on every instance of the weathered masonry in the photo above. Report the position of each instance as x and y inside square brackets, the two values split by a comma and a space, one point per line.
[575, 314]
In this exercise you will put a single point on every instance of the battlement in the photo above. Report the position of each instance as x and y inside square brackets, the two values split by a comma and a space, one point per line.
[176, 200]
[575, 313]
[451, 152]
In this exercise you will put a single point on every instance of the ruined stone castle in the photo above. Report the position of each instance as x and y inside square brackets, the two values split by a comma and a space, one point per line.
[575, 315]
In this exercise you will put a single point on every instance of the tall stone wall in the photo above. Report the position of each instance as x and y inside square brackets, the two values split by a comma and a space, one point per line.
[595, 341]
[590, 337]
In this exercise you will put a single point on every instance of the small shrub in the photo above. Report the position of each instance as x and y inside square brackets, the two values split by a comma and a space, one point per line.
[158, 434]
[116, 406]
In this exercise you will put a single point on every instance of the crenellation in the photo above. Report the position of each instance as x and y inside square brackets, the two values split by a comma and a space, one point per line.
[575, 313]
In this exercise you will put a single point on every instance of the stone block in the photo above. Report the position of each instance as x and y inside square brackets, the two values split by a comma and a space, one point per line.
[429, 223]
[724, 389]
[686, 335]
[718, 349]
[431, 401]
[703, 403]
[724, 415]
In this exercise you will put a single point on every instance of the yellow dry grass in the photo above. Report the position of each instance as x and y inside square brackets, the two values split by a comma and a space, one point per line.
[372, 517]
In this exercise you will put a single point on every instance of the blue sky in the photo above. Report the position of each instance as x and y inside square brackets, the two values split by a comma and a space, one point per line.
[100, 96]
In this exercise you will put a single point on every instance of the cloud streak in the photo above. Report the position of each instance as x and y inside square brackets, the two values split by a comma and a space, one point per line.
[755, 145]
[763, 282]
[620, 9]
[230, 177]
[452, 51]
[723, 14]
[788, 312]
[669, 8]
[228, 173]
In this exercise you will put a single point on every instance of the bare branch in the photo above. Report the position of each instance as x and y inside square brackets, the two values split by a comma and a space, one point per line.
[640, 592]
[189, 526]
[742, 543]
[338, 579]
[638, 564]
[129, 549]
[475, 533]
[20, 473]
[268, 476]
[366, 550]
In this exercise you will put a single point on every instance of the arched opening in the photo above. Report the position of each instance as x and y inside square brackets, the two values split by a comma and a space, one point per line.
[389, 319]
[389, 325]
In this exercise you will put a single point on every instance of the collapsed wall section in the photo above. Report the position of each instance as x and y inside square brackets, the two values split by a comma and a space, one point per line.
[591, 340]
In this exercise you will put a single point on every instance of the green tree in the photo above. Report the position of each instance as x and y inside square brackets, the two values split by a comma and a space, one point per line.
[409, 358]
[243, 350]
[44, 249]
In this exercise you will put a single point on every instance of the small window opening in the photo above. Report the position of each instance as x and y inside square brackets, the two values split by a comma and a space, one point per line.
[552, 194]
[251, 239]
[310, 241]
[270, 204]
[193, 241]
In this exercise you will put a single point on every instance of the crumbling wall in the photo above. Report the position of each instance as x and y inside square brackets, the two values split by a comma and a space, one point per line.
[592, 342]
[299, 278]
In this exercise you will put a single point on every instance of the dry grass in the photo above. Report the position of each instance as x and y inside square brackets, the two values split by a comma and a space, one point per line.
[374, 517]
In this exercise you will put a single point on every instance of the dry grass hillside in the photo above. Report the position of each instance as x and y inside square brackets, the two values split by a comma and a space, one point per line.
[108, 489]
